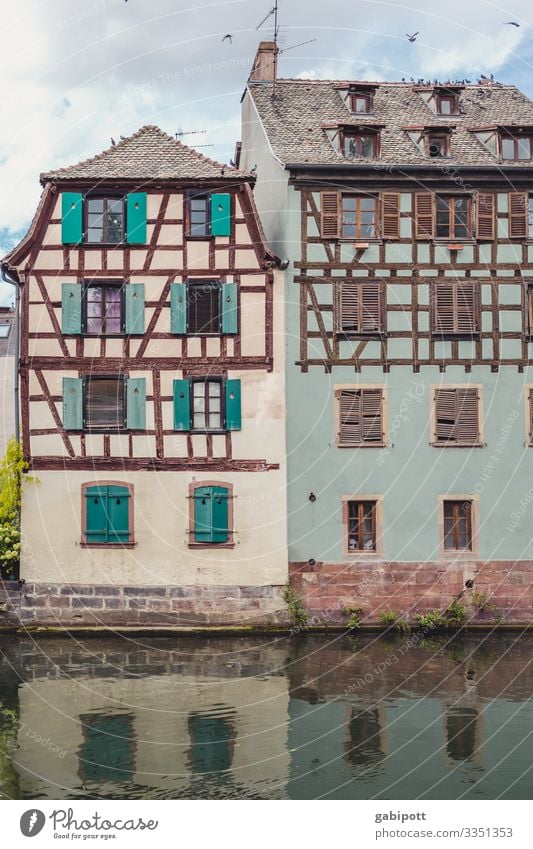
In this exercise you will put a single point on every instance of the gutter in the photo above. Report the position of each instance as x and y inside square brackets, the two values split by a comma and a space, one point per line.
[13, 280]
[402, 169]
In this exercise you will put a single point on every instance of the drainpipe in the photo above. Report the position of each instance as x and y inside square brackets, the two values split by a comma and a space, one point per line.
[9, 277]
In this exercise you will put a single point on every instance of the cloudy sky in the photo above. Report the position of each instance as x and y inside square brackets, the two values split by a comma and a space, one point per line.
[78, 72]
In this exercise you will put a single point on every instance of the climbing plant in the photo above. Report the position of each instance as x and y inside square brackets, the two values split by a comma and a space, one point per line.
[12, 468]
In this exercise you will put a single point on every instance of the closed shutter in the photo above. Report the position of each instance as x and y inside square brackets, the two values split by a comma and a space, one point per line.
[96, 523]
[136, 218]
[228, 294]
[360, 416]
[220, 215]
[71, 308]
[107, 514]
[182, 405]
[371, 318]
[486, 216]
[233, 404]
[361, 307]
[220, 514]
[117, 514]
[455, 307]
[203, 515]
[390, 215]
[424, 215]
[71, 218]
[466, 306]
[330, 215]
[457, 416]
[136, 403]
[178, 308]
[73, 403]
[518, 215]
[134, 308]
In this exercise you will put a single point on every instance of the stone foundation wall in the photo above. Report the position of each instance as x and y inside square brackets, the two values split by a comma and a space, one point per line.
[409, 588]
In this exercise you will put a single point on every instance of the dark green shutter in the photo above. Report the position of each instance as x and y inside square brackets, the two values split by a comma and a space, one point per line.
[220, 498]
[211, 513]
[182, 404]
[117, 514]
[136, 218]
[228, 294]
[233, 405]
[136, 403]
[178, 308]
[71, 218]
[134, 308]
[107, 514]
[96, 514]
[73, 403]
[220, 215]
[71, 308]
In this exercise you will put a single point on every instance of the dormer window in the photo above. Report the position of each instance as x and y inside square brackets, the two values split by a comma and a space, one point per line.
[437, 145]
[447, 103]
[516, 147]
[360, 102]
[357, 144]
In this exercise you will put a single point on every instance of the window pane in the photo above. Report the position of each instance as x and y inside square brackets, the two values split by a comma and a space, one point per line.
[199, 421]
[4, 331]
[508, 148]
[348, 204]
[95, 205]
[445, 106]
[349, 147]
[368, 230]
[94, 310]
[360, 104]
[94, 293]
[524, 150]
[94, 235]
[199, 402]
[443, 204]
[214, 389]
[367, 146]
[198, 389]
[367, 204]
[94, 325]
[105, 403]
[214, 420]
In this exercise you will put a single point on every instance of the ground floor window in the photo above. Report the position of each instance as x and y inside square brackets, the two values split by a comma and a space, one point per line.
[362, 519]
[107, 514]
[457, 525]
[211, 514]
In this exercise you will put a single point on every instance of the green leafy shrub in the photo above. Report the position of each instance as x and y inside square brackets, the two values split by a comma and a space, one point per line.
[354, 614]
[297, 613]
[455, 614]
[481, 601]
[393, 620]
[12, 468]
[433, 620]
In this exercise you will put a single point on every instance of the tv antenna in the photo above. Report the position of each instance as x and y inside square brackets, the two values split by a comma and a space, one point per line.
[180, 133]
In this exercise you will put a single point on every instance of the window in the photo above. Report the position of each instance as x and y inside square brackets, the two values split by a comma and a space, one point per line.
[104, 403]
[455, 308]
[358, 145]
[359, 217]
[207, 214]
[207, 404]
[203, 307]
[211, 514]
[207, 412]
[361, 417]
[107, 752]
[199, 218]
[361, 103]
[437, 145]
[457, 525]
[4, 330]
[453, 217]
[456, 416]
[108, 514]
[447, 104]
[516, 147]
[103, 309]
[105, 220]
[362, 534]
[361, 307]
[212, 744]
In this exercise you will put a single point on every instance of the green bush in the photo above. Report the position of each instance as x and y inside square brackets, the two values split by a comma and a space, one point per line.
[354, 614]
[393, 620]
[297, 613]
[12, 468]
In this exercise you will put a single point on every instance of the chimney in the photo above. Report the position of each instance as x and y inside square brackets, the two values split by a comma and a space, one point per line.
[265, 63]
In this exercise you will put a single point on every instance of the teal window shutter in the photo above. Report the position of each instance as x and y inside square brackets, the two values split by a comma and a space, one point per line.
[136, 218]
[134, 308]
[182, 404]
[220, 215]
[136, 403]
[233, 405]
[73, 403]
[228, 295]
[211, 514]
[178, 308]
[71, 218]
[71, 308]
[220, 498]
[107, 514]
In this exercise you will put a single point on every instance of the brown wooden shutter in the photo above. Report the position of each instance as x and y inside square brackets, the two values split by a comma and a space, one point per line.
[330, 215]
[370, 307]
[390, 215]
[457, 416]
[486, 216]
[361, 307]
[455, 307]
[360, 416]
[424, 215]
[466, 311]
[518, 203]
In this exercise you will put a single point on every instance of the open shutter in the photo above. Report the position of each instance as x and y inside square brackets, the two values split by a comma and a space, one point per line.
[390, 215]
[73, 403]
[203, 514]
[466, 306]
[445, 415]
[134, 308]
[96, 518]
[71, 308]
[330, 215]
[182, 405]
[136, 403]
[233, 405]
[71, 218]
[228, 294]
[486, 216]
[370, 303]
[518, 215]
[136, 218]
[220, 514]
[349, 417]
[220, 215]
[118, 530]
[443, 308]
[178, 308]
[424, 215]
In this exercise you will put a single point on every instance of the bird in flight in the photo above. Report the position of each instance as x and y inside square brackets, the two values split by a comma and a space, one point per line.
[229, 37]
[511, 23]
[412, 37]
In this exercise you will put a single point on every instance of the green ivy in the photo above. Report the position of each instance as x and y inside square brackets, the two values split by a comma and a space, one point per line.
[12, 469]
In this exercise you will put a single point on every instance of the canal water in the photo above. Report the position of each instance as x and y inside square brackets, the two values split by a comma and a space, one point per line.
[266, 718]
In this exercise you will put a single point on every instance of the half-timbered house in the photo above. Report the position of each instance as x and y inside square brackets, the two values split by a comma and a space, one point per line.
[152, 392]
[406, 212]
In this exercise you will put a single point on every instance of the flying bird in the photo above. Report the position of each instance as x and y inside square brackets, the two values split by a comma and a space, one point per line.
[511, 23]
[413, 36]
[228, 36]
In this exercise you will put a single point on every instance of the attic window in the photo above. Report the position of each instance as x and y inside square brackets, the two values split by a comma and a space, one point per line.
[4, 331]
[447, 103]
[356, 144]
[360, 102]
[516, 147]
[437, 145]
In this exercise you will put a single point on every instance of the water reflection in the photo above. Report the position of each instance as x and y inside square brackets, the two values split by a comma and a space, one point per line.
[271, 718]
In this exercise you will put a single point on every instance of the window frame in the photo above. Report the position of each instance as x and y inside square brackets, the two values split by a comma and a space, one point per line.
[434, 388]
[199, 484]
[442, 97]
[440, 135]
[102, 428]
[509, 137]
[363, 95]
[114, 196]
[358, 197]
[470, 230]
[194, 194]
[131, 515]
[352, 387]
[342, 333]
[7, 326]
[357, 134]
[197, 283]
[460, 554]
[357, 554]
[95, 283]
[221, 381]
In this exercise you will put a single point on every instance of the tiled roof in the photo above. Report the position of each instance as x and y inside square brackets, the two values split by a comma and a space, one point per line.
[7, 344]
[295, 120]
[149, 154]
